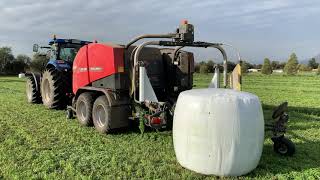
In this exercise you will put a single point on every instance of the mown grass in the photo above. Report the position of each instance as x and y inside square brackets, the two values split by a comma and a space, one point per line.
[40, 143]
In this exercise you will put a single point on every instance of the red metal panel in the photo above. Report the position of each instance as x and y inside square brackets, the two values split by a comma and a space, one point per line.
[96, 61]
[101, 61]
[104, 60]
[80, 76]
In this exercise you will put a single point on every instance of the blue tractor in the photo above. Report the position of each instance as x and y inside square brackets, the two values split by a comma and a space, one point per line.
[53, 87]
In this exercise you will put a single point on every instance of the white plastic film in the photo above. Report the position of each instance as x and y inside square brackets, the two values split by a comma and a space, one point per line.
[215, 81]
[146, 91]
[218, 131]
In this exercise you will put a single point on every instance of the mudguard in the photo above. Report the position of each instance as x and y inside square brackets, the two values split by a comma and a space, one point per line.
[60, 65]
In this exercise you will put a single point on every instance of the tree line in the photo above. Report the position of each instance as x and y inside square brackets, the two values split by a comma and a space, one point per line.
[9, 64]
[290, 67]
[12, 65]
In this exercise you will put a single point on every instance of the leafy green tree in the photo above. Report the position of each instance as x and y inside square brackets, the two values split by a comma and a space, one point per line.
[249, 65]
[244, 67]
[313, 64]
[204, 69]
[38, 62]
[282, 65]
[230, 66]
[20, 64]
[291, 68]
[202, 62]
[257, 66]
[303, 67]
[197, 67]
[275, 65]
[15, 67]
[210, 64]
[24, 58]
[266, 67]
[6, 57]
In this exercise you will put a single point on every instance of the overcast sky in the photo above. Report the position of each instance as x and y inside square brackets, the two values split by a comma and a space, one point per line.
[257, 28]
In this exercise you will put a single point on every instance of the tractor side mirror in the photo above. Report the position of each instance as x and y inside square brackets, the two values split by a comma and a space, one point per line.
[35, 48]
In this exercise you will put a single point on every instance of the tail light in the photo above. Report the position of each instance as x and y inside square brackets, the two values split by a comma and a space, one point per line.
[155, 120]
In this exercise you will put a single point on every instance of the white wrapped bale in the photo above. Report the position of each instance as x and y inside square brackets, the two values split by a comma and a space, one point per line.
[218, 131]
[21, 75]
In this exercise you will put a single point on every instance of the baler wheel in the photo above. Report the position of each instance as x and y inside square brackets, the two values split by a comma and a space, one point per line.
[101, 114]
[53, 89]
[84, 108]
[33, 96]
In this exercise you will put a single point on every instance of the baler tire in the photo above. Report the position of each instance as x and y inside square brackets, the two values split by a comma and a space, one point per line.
[101, 113]
[53, 89]
[84, 108]
[33, 96]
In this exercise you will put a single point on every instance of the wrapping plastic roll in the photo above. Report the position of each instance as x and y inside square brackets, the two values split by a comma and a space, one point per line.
[218, 131]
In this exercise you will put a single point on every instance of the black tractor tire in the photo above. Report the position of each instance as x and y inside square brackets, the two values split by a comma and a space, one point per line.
[283, 146]
[101, 114]
[54, 86]
[84, 108]
[69, 114]
[33, 96]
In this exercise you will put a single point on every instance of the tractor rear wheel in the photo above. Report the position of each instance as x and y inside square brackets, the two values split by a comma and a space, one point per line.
[84, 108]
[101, 114]
[54, 89]
[33, 96]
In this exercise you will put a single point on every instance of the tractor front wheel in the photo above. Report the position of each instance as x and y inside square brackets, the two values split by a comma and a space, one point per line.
[33, 96]
[101, 114]
[53, 89]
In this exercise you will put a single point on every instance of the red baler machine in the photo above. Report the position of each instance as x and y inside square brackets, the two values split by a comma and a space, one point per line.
[113, 84]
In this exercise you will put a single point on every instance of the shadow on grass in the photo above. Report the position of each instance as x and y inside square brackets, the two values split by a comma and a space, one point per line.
[307, 154]
[304, 110]
[4, 80]
[134, 129]
[300, 114]
[306, 157]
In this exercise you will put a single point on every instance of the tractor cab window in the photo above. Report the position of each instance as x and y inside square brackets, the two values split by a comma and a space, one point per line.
[68, 53]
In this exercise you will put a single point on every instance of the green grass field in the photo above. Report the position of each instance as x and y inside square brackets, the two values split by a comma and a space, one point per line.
[40, 143]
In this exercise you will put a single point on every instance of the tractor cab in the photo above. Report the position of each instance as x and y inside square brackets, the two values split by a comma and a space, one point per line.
[60, 52]
[65, 49]
[53, 85]
[61, 49]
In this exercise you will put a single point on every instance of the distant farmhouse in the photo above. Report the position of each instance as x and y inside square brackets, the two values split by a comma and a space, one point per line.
[254, 70]
[277, 71]
[258, 70]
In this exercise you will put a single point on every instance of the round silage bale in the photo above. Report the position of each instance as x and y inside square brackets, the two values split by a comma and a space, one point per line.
[218, 131]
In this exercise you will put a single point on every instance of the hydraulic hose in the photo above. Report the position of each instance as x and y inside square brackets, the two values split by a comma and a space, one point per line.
[170, 35]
